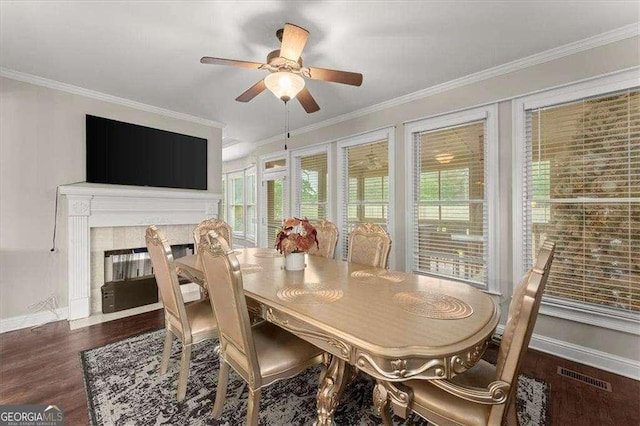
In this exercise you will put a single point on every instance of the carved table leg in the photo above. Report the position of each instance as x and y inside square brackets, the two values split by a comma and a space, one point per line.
[326, 361]
[331, 390]
[381, 402]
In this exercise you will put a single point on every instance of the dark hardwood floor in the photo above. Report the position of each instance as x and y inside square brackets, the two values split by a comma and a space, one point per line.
[42, 366]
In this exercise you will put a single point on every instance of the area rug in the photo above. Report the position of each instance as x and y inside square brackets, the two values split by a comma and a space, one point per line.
[124, 388]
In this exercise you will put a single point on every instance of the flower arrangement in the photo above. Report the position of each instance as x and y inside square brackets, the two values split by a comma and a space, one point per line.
[296, 236]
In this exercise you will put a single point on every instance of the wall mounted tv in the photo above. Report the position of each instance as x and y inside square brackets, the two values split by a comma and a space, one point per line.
[127, 154]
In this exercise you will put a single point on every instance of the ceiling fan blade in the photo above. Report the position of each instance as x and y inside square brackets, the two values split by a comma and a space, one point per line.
[306, 100]
[344, 77]
[252, 92]
[231, 62]
[293, 40]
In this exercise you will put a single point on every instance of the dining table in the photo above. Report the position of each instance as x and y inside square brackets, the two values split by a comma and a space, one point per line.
[392, 325]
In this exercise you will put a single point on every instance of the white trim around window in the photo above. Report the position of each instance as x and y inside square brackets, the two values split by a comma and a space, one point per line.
[231, 218]
[387, 133]
[265, 175]
[575, 311]
[296, 156]
[251, 201]
[488, 113]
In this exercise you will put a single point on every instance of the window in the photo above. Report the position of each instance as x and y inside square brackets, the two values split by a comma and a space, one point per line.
[365, 182]
[274, 194]
[311, 184]
[239, 202]
[251, 210]
[275, 209]
[581, 176]
[223, 203]
[452, 163]
[444, 185]
[236, 203]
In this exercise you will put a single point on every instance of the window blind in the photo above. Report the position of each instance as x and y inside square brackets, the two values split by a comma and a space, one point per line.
[365, 184]
[274, 206]
[450, 209]
[311, 186]
[223, 203]
[582, 191]
[237, 204]
[250, 196]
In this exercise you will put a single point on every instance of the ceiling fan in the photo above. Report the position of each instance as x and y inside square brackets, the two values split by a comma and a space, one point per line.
[287, 70]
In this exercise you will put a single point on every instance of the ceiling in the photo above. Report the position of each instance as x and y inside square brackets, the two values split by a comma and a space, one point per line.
[149, 51]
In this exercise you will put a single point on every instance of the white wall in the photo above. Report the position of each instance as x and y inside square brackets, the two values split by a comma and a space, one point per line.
[42, 145]
[586, 64]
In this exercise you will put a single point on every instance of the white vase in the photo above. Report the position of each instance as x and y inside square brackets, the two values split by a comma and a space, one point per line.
[294, 262]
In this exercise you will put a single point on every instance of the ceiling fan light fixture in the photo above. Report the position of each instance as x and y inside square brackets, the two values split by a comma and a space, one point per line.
[284, 85]
[444, 158]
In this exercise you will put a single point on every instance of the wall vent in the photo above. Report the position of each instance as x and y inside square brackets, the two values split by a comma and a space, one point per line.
[591, 381]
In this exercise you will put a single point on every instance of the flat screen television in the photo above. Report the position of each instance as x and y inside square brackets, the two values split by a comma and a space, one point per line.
[128, 154]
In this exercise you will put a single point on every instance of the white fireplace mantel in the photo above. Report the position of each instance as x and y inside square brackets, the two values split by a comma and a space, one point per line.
[95, 205]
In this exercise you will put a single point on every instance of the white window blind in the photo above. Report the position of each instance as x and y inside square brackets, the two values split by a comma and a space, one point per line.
[582, 191]
[251, 211]
[365, 187]
[236, 203]
[311, 186]
[274, 204]
[450, 209]
[223, 203]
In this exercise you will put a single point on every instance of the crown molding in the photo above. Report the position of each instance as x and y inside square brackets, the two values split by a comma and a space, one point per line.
[69, 88]
[603, 39]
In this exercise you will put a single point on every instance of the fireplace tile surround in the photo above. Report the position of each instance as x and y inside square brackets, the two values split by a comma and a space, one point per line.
[104, 217]
[115, 238]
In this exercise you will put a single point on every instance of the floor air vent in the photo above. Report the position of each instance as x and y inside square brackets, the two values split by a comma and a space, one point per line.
[600, 384]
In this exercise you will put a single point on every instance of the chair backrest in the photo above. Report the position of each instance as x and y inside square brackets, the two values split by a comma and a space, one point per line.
[221, 227]
[369, 244]
[229, 304]
[521, 320]
[167, 279]
[327, 239]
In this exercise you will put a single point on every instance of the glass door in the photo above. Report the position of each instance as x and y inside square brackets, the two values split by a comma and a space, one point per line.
[274, 208]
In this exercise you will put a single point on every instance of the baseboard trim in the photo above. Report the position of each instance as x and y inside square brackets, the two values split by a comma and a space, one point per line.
[32, 320]
[99, 318]
[587, 356]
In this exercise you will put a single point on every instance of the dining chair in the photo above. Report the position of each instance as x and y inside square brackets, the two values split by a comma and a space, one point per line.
[221, 227]
[192, 323]
[484, 394]
[327, 235]
[369, 244]
[262, 353]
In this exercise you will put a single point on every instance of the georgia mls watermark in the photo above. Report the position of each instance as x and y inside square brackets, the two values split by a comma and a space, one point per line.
[31, 415]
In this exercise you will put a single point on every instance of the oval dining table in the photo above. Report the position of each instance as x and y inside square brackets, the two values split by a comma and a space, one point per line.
[391, 325]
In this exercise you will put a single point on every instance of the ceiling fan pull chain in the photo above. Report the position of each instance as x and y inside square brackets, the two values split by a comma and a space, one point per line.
[286, 124]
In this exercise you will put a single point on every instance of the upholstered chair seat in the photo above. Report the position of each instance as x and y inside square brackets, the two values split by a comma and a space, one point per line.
[281, 352]
[485, 394]
[260, 353]
[441, 407]
[193, 323]
[201, 320]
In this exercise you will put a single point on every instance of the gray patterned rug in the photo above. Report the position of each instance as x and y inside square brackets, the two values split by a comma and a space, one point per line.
[124, 388]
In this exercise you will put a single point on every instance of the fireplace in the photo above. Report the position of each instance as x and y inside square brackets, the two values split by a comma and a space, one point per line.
[129, 281]
[101, 218]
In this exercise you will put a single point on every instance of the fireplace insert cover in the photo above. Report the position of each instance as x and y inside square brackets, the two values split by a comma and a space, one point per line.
[127, 294]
